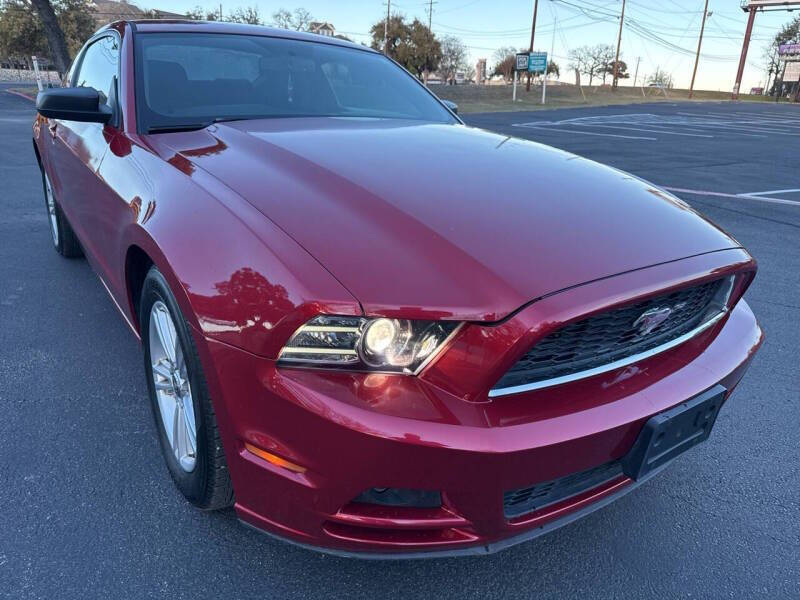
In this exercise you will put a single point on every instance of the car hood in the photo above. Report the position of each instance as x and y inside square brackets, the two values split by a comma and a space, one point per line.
[446, 220]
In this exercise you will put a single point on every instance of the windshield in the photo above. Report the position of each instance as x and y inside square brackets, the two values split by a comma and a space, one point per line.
[186, 79]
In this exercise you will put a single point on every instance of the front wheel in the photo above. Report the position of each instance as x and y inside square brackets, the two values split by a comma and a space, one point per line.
[64, 240]
[184, 416]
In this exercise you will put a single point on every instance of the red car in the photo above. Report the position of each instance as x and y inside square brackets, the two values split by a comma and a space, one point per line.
[364, 325]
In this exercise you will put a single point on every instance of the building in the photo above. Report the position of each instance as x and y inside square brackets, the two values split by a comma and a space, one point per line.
[480, 71]
[322, 28]
[106, 11]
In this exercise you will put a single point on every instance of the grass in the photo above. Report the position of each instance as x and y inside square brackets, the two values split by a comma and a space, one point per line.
[479, 98]
[485, 98]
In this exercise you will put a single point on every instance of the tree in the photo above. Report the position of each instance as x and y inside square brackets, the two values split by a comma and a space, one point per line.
[622, 70]
[299, 20]
[553, 69]
[23, 32]
[395, 33]
[420, 52]
[59, 52]
[454, 58]
[505, 62]
[412, 45]
[788, 34]
[660, 78]
[580, 61]
[198, 14]
[590, 60]
[247, 15]
[469, 73]
[602, 55]
[76, 21]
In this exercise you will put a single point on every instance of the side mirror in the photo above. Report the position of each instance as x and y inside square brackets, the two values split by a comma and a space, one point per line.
[451, 105]
[73, 104]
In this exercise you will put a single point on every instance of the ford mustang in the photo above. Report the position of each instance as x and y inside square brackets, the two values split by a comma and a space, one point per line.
[363, 326]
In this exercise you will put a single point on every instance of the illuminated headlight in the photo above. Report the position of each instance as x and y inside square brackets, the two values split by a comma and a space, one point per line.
[357, 343]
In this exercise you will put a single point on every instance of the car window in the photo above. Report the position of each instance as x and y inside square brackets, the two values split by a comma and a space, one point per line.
[99, 65]
[185, 78]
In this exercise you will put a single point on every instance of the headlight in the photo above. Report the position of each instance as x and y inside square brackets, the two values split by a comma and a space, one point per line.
[357, 343]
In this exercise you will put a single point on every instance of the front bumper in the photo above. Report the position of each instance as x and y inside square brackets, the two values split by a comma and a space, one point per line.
[352, 432]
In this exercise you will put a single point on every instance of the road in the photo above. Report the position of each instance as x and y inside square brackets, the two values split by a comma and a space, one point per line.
[88, 509]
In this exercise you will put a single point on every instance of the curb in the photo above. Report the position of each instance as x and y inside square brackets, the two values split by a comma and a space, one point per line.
[20, 94]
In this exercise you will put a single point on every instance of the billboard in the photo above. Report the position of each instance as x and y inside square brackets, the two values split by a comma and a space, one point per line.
[789, 50]
[760, 3]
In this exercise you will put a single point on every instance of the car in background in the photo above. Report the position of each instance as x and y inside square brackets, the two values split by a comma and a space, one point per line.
[351, 332]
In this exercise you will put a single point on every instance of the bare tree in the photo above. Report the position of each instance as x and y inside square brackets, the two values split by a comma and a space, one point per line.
[601, 55]
[454, 58]
[590, 60]
[661, 78]
[247, 15]
[299, 20]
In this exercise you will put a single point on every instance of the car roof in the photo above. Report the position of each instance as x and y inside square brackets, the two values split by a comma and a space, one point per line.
[189, 25]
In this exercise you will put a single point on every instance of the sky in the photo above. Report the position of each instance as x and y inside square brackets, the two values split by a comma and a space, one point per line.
[658, 33]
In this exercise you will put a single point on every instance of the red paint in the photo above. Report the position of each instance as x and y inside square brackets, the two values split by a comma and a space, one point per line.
[260, 225]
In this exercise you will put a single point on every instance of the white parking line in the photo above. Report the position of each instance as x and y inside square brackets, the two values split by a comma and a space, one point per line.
[737, 196]
[769, 193]
[645, 130]
[627, 137]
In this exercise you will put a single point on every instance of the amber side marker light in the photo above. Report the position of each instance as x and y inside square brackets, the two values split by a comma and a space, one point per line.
[272, 458]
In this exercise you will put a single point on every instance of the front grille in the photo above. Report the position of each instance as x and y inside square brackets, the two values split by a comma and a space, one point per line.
[529, 499]
[611, 336]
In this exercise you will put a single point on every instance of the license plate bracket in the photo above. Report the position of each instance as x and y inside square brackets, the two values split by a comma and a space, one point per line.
[673, 432]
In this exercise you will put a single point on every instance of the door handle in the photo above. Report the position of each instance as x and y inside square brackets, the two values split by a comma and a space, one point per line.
[52, 127]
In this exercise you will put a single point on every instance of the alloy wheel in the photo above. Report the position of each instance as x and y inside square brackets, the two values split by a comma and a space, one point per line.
[51, 209]
[172, 387]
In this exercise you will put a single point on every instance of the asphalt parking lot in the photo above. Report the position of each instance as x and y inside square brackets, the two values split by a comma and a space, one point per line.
[87, 508]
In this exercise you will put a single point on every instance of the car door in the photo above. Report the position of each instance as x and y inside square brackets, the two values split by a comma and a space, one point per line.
[78, 149]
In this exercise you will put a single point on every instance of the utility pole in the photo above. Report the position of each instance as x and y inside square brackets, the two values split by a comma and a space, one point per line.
[636, 75]
[430, 29]
[533, 33]
[745, 45]
[549, 58]
[619, 43]
[386, 28]
[430, 14]
[699, 43]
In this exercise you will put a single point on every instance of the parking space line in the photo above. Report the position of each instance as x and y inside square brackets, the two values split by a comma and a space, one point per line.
[646, 130]
[769, 193]
[737, 196]
[560, 129]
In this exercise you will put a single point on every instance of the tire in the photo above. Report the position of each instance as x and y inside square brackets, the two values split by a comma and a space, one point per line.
[199, 472]
[64, 240]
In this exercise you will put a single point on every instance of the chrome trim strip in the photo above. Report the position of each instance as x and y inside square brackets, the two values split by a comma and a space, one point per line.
[326, 328]
[314, 350]
[623, 362]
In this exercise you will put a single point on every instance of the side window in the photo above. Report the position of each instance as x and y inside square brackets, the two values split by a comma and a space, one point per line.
[99, 65]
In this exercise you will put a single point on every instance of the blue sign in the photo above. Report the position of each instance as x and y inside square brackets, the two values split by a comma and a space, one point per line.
[537, 62]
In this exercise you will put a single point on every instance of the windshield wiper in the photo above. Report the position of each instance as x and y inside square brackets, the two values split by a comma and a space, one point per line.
[196, 126]
[178, 127]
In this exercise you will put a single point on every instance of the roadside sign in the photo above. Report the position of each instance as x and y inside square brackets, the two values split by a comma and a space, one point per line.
[537, 62]
[522, 61]
[792, 72]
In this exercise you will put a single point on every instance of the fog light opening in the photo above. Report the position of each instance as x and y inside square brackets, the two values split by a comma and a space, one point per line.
[400, 497]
